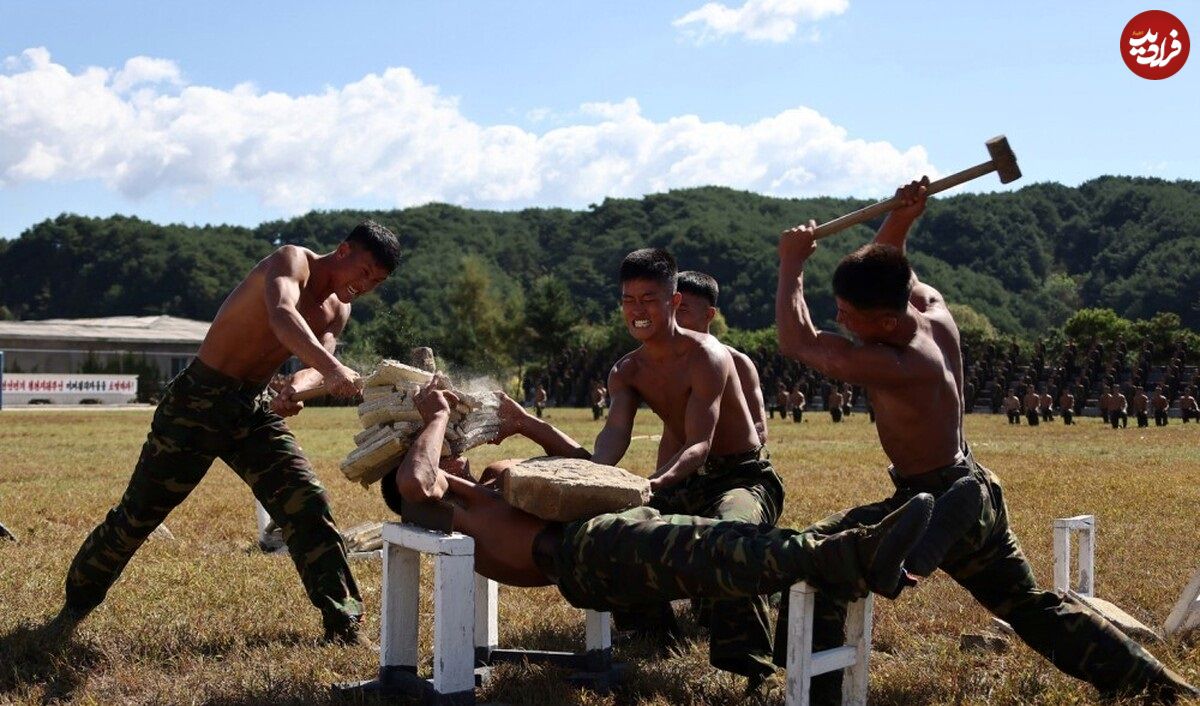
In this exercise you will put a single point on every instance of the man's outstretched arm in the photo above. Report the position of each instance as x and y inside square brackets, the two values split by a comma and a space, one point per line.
[515, 420]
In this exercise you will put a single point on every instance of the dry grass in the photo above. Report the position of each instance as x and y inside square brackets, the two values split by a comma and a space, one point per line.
[203, 619]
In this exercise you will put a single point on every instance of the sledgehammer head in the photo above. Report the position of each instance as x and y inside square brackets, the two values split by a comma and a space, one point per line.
[1004, 159]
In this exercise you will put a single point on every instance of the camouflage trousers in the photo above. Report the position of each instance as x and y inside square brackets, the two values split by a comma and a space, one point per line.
[989, 563]
[207, 415]
[745, 489]
[639, 557]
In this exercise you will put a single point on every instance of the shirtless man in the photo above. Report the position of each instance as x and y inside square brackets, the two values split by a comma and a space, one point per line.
[1012, 407]
[1160, 404]
[1031, 402]
[781, 401]
[717, 469]
[1118, 409]
[910, 363]
[1046, 406]
[539, 400]
[598, 395]
[294, 302]
[640, 557]
[1141, 403]
[698, 294]
[1187, 406]
[834, 403]
[798, 402]
[1106, 399]
[1066, 403]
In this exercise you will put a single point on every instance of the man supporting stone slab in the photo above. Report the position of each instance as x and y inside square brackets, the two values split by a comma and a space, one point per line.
[640, 556]
[716, 466]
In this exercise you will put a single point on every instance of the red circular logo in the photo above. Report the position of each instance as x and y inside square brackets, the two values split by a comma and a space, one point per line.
[1155, 44]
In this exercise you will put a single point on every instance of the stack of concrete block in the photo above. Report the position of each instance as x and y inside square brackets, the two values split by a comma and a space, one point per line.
[390, 421]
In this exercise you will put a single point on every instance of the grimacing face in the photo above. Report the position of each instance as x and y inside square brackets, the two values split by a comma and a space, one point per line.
[648, 307]
[694, 312]
[357, 272]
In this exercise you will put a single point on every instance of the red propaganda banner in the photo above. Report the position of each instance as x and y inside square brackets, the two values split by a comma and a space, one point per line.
[62, 383]
[1155, 45]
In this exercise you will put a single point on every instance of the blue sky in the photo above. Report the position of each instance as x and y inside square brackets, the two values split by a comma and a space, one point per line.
[244, 112]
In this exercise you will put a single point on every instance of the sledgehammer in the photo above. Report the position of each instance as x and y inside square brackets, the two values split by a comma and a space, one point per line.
[1002, 161]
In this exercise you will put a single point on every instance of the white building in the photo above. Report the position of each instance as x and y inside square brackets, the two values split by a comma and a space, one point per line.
[64, 345]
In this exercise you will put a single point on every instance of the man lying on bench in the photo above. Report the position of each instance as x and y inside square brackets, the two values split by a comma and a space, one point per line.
[620, 560]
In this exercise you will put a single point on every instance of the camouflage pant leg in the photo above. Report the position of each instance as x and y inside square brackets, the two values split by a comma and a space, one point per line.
[177, 453]
[1075, 639]
[268, 459]
[638, 557]
[739, 629]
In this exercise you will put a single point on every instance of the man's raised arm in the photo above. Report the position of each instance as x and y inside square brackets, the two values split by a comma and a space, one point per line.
[419, 478]
[285, 269]
[799, 337]
[894, 232]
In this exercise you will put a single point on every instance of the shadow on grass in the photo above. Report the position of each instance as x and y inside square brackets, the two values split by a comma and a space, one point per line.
[34, 655]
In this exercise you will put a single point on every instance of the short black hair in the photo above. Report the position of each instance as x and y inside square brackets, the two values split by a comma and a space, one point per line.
[649, 263]
[379, 241]
[875, 276]
[699, 284]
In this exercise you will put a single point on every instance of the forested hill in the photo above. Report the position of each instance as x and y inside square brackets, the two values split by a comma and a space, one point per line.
[1025, 259]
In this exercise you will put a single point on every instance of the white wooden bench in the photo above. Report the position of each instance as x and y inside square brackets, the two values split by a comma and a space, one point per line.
[466, 629]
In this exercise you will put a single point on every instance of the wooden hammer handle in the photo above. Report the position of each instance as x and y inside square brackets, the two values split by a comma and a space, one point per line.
[866, 213]
[311, 393]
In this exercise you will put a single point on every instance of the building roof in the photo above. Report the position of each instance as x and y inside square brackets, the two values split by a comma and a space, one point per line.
[115, 329]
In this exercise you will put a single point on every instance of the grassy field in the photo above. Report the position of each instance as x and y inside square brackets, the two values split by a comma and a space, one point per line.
[204, 619]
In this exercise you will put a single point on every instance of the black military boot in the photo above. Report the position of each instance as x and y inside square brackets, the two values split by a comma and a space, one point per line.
[884, 547]
[955, 513]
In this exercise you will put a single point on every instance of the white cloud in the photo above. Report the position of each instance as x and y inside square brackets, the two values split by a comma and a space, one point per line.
[144, 69]
[757, 20]
[391, 140]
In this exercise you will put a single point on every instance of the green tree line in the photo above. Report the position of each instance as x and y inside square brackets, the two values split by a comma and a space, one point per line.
[491, 289]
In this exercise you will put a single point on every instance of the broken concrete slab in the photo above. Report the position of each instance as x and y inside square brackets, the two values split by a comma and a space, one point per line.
[567, 489]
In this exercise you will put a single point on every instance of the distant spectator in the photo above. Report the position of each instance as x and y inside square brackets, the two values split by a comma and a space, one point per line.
[1141, 405]
[1066, 405]
[539, 400]
[835, 405]
[1187, 407]
[1012, 407]
[1118, 410]
[1159, 403]
[1106, 400]
[598, 397]
[781, 402]
[796, 402]
[1032, 401]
